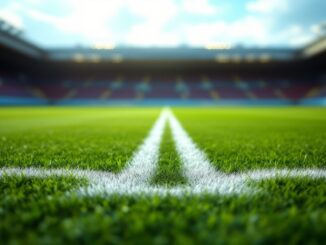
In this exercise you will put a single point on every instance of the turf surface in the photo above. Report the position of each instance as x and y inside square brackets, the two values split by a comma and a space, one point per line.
[242, 139]
[36, 210]
[168, 172]
[97, 138]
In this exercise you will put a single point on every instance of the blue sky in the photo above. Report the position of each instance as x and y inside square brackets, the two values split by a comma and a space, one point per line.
[53, 23]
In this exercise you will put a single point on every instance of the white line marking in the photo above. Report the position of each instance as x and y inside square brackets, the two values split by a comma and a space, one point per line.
[138, 172]
[198, 170]
[135, 178]
[203, 177]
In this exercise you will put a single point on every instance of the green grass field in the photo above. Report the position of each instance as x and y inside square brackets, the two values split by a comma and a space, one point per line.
[46, 210]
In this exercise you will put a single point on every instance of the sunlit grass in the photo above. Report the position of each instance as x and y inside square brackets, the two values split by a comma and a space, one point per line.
[36, 210]
[92, 138]
[168, 171]
[253, 138]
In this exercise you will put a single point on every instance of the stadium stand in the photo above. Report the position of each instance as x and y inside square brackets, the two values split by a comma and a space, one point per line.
[175, 76]
[162, 88]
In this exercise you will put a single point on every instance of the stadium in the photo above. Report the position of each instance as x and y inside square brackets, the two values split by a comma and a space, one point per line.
[212, 75]
[123, 144]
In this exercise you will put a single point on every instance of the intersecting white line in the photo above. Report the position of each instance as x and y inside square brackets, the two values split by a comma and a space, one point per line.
[135, 178]
[203, 177]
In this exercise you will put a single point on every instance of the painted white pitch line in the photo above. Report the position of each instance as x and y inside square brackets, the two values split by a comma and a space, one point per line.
[135, 178]
[92, 175]
[198, 170]
[203, 177]
[140, 169]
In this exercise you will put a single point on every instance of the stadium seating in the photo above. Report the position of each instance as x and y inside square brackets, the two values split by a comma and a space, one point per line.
[163, 87]
[15, 86]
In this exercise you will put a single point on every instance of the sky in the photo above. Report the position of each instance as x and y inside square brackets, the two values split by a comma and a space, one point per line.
[167, 23]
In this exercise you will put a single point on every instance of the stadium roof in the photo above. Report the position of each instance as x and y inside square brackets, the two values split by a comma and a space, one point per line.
[170, 54]
[120, 54]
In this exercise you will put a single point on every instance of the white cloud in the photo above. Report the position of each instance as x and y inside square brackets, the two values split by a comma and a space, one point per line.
[11, 14]
[89, 19]
[202, 7]
[11, 18]
[93, 19]
[296, 35]
[267, 6]
[157, 23]
[148, 35]
[247, 30]
[35, 2]
[157, 15]
[159, 11]
[151, 31]
[91, 30]
[319, 29]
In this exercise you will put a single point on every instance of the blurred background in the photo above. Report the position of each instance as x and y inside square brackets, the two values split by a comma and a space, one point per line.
[163, 52]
